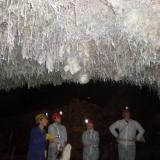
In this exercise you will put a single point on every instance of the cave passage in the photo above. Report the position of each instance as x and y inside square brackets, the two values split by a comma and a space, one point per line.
[99, 101]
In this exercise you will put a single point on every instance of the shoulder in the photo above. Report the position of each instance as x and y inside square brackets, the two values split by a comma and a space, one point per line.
[34, 129]
[85, 132]
[96, 132]
[134, 121]
[119, 122]
[51, 126]
[63, 126]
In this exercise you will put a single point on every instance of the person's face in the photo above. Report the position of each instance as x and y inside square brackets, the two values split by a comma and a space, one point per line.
[58, 119]
[126, 114]
[89, 125]
[43, 122]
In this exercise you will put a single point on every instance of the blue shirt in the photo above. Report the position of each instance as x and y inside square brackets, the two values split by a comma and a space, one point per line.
[36, 144]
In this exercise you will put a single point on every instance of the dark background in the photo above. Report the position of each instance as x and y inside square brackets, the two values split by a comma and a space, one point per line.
[98, 100]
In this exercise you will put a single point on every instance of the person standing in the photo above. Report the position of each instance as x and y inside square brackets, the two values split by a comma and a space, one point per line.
[127, 131]
[37, 141]
[58, 131]
[90, 140]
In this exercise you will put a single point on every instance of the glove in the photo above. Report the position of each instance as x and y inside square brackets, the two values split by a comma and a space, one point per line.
[49, 137]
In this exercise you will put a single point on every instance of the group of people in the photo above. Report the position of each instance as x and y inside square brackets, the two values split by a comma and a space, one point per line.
[56, 135]
[126, 131]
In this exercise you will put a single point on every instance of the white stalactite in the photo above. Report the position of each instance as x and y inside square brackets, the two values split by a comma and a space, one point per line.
[51, 41]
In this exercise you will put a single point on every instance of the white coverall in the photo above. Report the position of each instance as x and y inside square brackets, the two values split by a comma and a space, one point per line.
[128, 133]
[59, 131]
[90, 139]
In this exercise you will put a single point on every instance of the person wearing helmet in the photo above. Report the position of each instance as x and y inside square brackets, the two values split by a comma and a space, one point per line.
[37, 141]
[90, 140]
[129, 131]
[59, 133]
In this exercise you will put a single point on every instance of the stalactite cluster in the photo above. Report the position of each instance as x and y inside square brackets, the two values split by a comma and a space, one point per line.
[52, 41]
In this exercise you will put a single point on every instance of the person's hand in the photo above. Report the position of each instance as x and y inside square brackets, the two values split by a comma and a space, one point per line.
[45, 153]
[49, 137]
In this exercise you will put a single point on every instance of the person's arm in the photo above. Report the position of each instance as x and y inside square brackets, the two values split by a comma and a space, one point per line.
[140, 130]
[65, 135]
[113, 128]
[96, 139]
[84, 139]
[51, 132]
